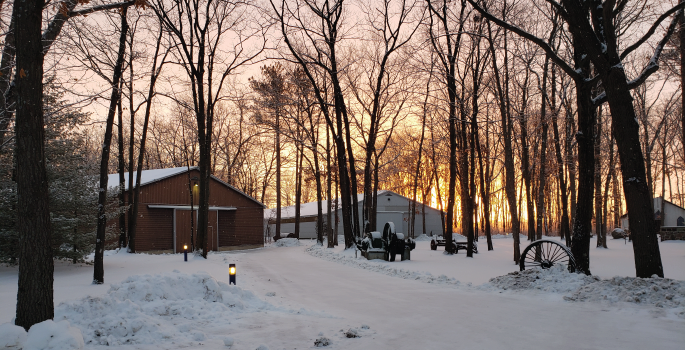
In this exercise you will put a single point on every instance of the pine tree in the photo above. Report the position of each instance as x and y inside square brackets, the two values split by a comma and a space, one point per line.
[72, 186]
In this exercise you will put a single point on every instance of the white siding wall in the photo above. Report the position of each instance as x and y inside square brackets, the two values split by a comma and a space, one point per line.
[671, 214]
[391, 207]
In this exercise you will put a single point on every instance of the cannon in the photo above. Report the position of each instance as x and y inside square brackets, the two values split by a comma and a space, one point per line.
[440, 242]
[386, 245]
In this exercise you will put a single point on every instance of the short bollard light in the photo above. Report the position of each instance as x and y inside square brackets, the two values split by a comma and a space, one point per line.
[231, 273]
[185, 252]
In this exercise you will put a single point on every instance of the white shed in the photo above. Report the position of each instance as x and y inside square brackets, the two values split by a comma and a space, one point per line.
[665, 212]
[391, 207]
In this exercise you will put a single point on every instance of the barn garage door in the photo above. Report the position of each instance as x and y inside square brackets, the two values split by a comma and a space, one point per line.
[183, 229]
[227, 235]
[156, 230]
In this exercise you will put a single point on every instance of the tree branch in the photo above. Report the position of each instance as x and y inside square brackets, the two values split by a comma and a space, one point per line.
[652, 29]
[537, 41]
[653, 64]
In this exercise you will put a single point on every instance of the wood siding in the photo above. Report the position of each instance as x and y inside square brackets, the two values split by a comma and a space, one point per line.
[227, 236]
[155, 229]
[183, 229]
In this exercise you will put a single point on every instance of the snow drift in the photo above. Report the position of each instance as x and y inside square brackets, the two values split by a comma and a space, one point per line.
[149, 309]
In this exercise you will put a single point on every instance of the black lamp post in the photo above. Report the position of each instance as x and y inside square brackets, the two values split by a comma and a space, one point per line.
[231, 273]
[185, 252]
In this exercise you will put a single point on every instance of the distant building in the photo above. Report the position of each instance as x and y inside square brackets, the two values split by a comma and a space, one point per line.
[665, 214]
[165, 211]
[391, 207]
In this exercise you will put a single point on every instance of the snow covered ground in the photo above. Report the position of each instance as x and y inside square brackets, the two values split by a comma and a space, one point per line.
[292, 295]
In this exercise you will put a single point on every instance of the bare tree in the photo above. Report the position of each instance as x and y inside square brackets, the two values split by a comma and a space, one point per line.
[594, 27]
[65, 11]
[99, 268]
[446, 27]
[155, 72]
[212, 41]
[318, 25]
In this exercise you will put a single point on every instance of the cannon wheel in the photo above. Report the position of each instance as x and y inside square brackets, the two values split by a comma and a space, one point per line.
[434, 245]
[545, 254]
[388, 230]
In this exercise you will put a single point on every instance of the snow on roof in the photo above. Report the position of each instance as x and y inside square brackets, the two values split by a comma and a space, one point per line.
[153, 175]
[146, 176]
[308, 209]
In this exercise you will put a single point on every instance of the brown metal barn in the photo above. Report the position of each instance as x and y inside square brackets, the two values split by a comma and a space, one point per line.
[164, 213]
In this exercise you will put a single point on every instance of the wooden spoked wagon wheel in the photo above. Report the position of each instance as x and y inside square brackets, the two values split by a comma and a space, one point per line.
[545, 253]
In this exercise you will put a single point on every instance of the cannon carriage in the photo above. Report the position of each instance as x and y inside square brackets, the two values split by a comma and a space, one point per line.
[386, 245]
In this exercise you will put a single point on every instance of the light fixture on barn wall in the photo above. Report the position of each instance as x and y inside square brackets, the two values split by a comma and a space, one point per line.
[231, 273]
[195, 179]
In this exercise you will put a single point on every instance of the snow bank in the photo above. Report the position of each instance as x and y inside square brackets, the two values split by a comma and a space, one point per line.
[11, 336]
[573, 287]
[287, 242]
[659, 292]
[149, 309]
[386, 268]
[46, 335]
[50, 335]
[424, 237]
[556, 279]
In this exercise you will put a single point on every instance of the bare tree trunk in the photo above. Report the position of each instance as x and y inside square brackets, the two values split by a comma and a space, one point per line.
[637, 193]
[278, 176]
[681, 36]
[131, 148]
[504, 107]
[329, 195]
[616, 194]
[485, 183]
[564, 224]
[417, 173]
[133, 218]
[35, 285]
[571, 168]
[122, 178]
[582, 223]
[601, 241]
[541, 212]
[605, 201]
[525, 162]
[319, 194]
[298, 190]
[99, 270]
[335, 207]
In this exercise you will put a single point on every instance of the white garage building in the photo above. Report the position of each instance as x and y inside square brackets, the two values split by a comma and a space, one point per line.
[391, 207]
[666, 214]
